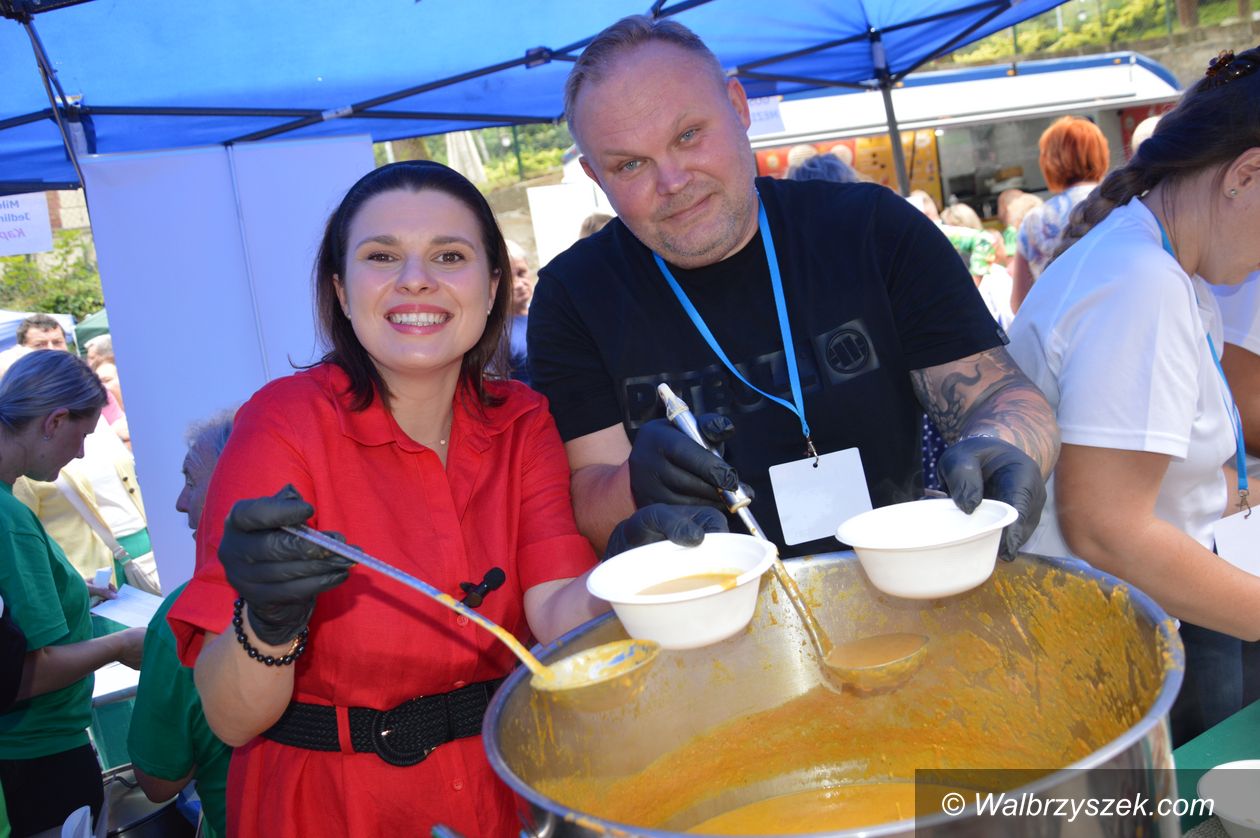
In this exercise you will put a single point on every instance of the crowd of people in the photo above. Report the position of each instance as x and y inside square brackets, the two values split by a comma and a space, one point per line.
[469, 417]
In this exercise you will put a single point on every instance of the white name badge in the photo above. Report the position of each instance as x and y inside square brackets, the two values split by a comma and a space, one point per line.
[816, 497]
[1238, 540]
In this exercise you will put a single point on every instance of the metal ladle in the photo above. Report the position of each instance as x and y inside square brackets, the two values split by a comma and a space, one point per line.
[869, 664]
[596, 678]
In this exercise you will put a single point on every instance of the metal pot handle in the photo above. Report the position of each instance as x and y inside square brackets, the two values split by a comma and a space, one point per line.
[547, 830]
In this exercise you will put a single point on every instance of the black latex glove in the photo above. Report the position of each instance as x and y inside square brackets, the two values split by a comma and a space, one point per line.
[667, 467]
[685, 525]
[276, 573]
[986, 467]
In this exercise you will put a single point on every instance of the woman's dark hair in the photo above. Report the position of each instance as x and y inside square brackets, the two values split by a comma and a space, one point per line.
[345, 350]
[46, 380]
[1216, 120]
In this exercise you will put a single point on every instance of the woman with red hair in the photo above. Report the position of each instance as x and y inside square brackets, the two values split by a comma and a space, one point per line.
[1074, 157]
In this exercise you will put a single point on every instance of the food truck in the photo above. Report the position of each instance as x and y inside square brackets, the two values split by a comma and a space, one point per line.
[970, 133]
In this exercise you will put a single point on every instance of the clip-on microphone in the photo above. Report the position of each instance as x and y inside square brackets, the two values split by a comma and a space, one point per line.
[475, 594]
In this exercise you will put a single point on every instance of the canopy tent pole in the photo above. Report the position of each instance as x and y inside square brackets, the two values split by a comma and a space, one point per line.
[880, 61]
[534, 57]
[883, 77]
[49, 76]
[894, 137]
[249, 263]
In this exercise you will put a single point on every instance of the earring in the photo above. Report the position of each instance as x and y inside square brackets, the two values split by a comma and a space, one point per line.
[47, 438]
[1233, 193]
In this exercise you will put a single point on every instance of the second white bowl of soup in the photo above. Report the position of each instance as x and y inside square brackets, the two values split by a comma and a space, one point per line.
[927, 549]
[685, 597]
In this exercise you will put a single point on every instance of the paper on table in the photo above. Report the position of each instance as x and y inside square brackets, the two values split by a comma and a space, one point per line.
[133, 608]
[113, 679]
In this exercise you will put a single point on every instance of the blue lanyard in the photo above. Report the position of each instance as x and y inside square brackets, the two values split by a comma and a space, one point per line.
[780, 304]
[1231, 406]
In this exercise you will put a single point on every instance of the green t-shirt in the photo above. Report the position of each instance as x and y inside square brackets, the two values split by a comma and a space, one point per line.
[974, 246]
[169, 734]
[49, 601]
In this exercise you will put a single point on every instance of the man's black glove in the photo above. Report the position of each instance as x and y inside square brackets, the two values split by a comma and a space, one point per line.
[685, 525]
[667, 467]
[276, 573]
[986, 467]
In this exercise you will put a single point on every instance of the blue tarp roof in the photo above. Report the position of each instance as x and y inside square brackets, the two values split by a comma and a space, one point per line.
[152, 74]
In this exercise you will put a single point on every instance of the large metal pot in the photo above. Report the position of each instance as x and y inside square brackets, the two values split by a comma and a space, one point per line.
[1051, 667]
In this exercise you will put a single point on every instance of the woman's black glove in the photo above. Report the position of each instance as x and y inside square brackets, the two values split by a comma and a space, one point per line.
[684, 525]
[668, 467]
[986, 467]
[276, 573]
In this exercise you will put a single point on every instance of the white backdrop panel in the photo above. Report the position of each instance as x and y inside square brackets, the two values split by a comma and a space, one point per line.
[205, 309]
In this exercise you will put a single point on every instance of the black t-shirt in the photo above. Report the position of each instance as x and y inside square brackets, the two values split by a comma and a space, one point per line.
[873, 289]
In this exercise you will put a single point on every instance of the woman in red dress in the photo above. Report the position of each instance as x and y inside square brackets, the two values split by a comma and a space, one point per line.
[315, 670]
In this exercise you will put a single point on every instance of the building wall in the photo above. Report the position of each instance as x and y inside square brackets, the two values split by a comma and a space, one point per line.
[68, 209]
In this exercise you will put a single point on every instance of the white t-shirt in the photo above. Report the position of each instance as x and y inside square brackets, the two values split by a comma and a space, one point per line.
[995, 290]
[1114, 334]
[1240, 312]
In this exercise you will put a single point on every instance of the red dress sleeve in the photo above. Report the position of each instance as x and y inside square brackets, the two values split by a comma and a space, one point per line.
[549, 545]
[259, 460]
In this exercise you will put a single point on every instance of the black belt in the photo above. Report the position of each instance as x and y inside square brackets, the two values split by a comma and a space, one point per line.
[402, 736]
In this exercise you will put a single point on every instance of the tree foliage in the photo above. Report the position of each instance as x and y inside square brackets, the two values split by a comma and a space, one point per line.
[65, 281]
[1098, 23]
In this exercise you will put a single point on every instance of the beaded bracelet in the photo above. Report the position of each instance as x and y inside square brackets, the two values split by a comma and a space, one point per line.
[296, 648]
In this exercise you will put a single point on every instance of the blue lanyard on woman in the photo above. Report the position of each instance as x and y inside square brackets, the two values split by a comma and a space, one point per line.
[1231, 406]
[780, 304]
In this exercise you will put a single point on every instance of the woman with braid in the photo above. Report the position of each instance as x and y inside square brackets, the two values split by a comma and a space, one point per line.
[1122, 334]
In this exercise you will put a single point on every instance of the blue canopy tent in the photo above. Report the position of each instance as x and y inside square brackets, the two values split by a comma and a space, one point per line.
[110, 76]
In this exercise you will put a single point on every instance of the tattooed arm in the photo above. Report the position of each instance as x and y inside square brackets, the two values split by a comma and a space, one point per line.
[987, 395]
[1002, 434]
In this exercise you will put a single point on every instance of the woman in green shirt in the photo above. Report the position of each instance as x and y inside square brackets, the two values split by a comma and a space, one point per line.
[49, 401]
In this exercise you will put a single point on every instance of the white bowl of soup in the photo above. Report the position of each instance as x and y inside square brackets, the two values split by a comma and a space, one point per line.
[685, 597]
[927, 549]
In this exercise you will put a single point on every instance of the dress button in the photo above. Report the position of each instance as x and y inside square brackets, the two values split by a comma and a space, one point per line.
[459, 684]
[458, 785]
[461, 620]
